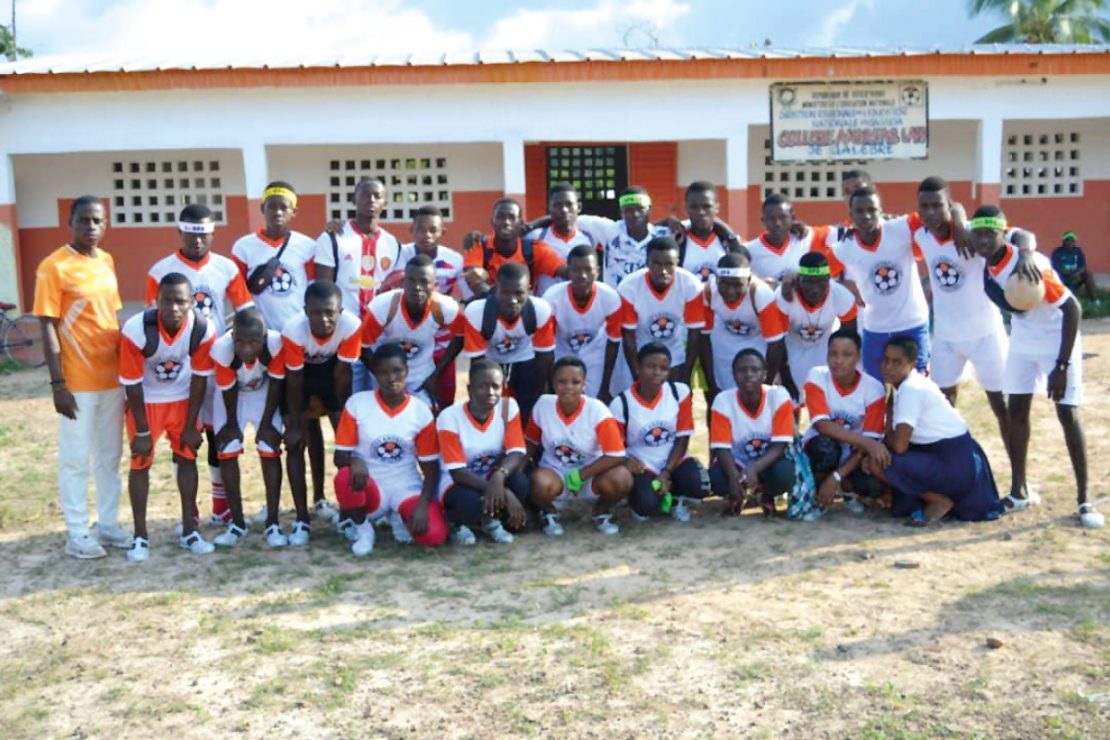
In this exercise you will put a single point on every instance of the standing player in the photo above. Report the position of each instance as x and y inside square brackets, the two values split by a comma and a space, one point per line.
[625, 250]
[777, 250]
[165, 361]
[215, 280]
[1045, 348]
[707, 237]
[515, 330]
[587, 320]
[76, 299]
[250, 372]
[414, 317]
[484, 256]
[320, 346]
[663, 303]
[564, 232]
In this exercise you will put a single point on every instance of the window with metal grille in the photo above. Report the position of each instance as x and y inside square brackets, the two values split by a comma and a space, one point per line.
[1038, 164]
[153, 191]
[801, 181]
[599, 173]
[411, 182]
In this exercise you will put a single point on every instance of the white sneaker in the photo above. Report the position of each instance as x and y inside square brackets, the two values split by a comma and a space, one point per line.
[139, 551]
[1014, 504]
[497, 532]
[219, 520]
[812, 515]
[261, 517]
[196, 544]
[113, 536]
[298, 536]
[551, 526]
[854, 505]
[275, 537]
[84, 547]
[232, 537]
[638, 518]
[605, 525]
[679, 512]
[348, 529]
[1091, 517]
[463, 537]
[364, 539]
[323, 509]
[400, 532]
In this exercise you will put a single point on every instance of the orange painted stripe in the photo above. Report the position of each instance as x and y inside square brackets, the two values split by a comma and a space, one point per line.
[933, 65]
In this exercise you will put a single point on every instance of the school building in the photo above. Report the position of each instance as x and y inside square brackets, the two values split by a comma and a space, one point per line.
[1026, 126]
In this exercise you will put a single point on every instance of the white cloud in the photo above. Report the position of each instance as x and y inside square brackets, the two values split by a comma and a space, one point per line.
[601, 25]
[832, 24]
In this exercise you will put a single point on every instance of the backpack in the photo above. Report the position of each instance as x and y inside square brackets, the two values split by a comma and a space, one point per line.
[527, 251]
[491, 311]
[264, 357]
[150, 332]
[260, 276]
[395, 306]
[623, 398]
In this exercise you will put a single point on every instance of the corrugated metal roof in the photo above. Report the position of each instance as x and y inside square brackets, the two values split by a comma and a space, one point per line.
[61, 64]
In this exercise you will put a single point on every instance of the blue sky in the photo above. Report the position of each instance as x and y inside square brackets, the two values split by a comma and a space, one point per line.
[219, 28]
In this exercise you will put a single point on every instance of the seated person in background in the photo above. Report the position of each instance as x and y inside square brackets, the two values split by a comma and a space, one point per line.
[578, 448]
[1071, 265]
[749, 430]
[936, 467]
[481, 443]
[846, 410]
[388, 460]
[657, 418]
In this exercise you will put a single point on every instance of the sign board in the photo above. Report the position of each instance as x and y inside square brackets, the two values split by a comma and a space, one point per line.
[829, 121]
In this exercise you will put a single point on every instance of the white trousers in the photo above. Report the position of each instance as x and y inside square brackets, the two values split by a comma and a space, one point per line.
[96, 438]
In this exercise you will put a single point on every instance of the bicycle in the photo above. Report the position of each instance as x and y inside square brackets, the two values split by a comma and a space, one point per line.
[20, 338]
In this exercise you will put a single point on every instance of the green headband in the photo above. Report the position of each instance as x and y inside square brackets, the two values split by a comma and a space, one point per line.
[819, 271]
[1069, 235]
[998, 223]
[635, 199]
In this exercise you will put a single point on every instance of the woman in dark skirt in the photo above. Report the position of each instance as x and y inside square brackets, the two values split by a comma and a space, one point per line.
[936, 468]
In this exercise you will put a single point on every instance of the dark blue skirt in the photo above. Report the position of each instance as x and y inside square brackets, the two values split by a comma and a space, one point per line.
[956, 467]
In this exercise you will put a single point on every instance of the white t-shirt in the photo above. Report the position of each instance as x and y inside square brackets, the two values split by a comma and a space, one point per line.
[283, 298]
[364, 262]
[663, 317]
[1034, 333]
[215, 280]
[701, 257]
[302, 347]
[921, 404]
[417, 336]
[810, 326]
[752, 322]
[651, 428]
[625, 255]
[859, 408]
[750, 435]
[585, 332]
[510, 343]
[167, 374]
[466, 443]
[561, 244]
[389, 441]
[577, 440]
[886, 274]
[961, 308]
[249, 378]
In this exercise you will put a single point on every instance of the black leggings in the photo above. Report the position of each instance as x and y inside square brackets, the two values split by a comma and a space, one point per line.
[689, 480]
[824, 457]
[463, 505]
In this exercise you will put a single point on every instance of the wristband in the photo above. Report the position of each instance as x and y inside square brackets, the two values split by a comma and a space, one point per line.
[143, 434]
[836, 476]
[574, 480]
[56, 383]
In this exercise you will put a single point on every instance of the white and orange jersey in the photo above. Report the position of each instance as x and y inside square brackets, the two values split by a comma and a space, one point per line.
[577, 440]
[387, 321]
[166, 374]
[391, 441]
[961, 308]
[561, 244]
[810, 326]
[753, 322]
[464, 442]
[663, 317]
[771, 263]
[215, 280]
[701, 257]
[300, 346]
[448, 263]
[750, 434]
[364, 262]
[651, 427]
[510, 343]
[283, 298]
[248, 377]
[1037, 332]
[585, 332]
[860, 408]
[886, 274]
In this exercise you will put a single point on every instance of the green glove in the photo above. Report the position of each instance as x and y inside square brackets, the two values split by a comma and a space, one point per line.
[666, 500]
[574, 480]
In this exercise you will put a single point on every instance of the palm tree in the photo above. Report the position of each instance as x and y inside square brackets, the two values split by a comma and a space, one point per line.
[1046, 21]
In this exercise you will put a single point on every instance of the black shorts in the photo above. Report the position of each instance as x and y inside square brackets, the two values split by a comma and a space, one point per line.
[319, 381]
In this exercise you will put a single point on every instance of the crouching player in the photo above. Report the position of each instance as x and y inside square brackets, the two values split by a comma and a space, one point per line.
[388, 460]
[578, 445]
[164, 363]
[481, 444]
[749, 430]
[657, 418]
[250, 372]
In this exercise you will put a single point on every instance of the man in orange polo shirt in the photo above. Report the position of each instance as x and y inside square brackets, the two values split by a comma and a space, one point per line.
[76, 298]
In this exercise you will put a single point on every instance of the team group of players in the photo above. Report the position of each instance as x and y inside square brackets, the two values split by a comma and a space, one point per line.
[585, 337]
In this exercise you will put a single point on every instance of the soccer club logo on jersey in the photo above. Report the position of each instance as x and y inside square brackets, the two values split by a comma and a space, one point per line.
[662, 326]
[204, 303]
[658, 434]
[566, 454]
[846, 421]
[506, 344]
[886, 276]
[579, 339]
[389, 449]
[167, 371]
[253, 384]
[756, 447]
[704, 272]
[482, 463]
[810, 334]
[412, 349]
[947, 274]
[737, 327]
[283, 280]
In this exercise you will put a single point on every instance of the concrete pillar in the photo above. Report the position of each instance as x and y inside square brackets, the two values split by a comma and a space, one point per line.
[736, 180]
[512, 168]
[9, 239]
[256, 175]
[988, 169]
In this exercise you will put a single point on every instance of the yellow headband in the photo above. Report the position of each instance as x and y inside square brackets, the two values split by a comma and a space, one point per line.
[286, 193]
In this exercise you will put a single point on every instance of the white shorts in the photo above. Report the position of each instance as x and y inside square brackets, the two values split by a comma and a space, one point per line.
[391, 499]
[1029, 374]
[586, 493]
[249, 411]
[987, 355]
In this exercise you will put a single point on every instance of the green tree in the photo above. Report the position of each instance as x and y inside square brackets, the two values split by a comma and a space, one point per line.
[1046, 21]
[8, 49]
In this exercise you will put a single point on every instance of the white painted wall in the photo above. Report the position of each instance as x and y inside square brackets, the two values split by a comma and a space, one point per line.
[1094, 143]
[701, 160]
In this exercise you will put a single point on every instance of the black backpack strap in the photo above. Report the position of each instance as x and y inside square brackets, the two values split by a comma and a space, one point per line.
[682, 251]
[487, 254]
[674, 389]
[200, 328]
[528, 252]
[528, 315]
[624, 409]
[489, 317]
[150, 332]
[334, 253]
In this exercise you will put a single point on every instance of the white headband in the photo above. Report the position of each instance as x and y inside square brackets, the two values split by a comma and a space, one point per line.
[734, 272]
[187, 227]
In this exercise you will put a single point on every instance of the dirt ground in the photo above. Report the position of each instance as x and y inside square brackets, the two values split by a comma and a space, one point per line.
[719, 627]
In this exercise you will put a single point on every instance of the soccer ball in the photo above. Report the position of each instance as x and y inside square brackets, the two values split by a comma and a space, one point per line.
[1023, 294]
